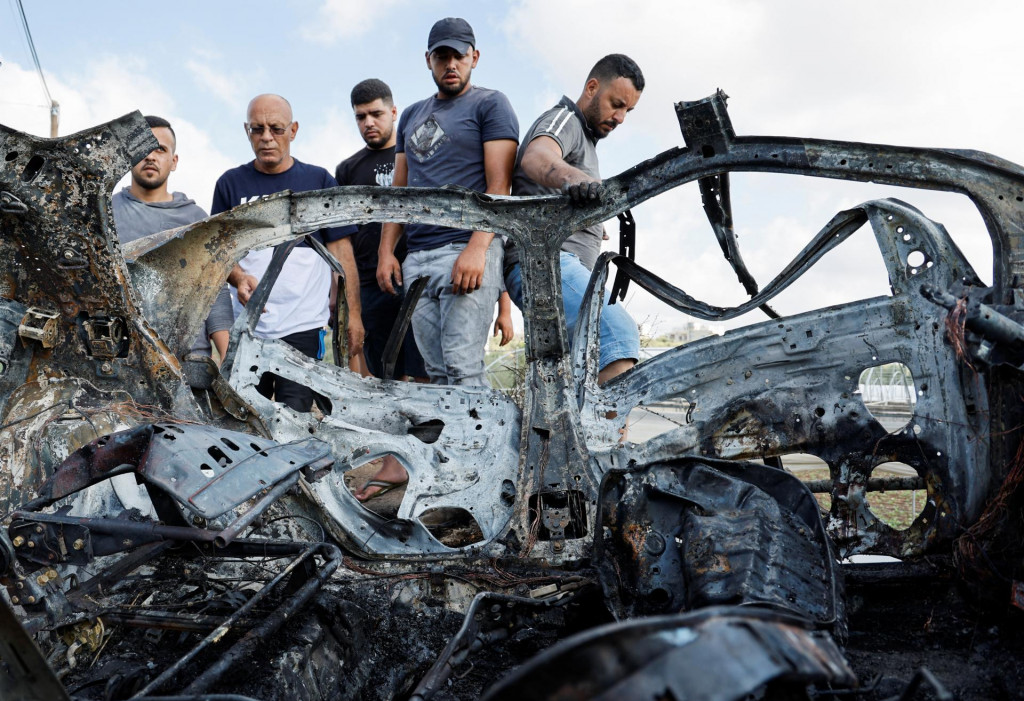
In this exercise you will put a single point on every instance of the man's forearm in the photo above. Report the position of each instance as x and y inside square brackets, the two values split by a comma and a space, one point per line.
[236, 275]
[345, 255]
[480, 240]
[544, 164]
[389, 235]
[554, 173]
[352, 297]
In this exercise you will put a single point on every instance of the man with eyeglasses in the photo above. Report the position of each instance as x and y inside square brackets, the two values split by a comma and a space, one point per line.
[297, 310]
[463, 135]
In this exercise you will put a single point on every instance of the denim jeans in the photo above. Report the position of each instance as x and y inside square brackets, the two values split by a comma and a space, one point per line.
[620, 338]
[451, 330]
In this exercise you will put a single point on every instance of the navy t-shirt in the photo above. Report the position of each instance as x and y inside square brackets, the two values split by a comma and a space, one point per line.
[299, 300]
[443, 143]
[245, 184]
[369, 167]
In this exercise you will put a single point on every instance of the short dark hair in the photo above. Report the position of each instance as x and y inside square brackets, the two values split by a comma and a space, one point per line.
[153, 121]
[615, 66]
[369, 90]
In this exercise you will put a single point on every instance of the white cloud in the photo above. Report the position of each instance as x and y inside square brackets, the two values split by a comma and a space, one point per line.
[915, 73]
[230, 87]
[335, 20]
[105, 89]
[913, 70]
[29, 113]
[328, 140]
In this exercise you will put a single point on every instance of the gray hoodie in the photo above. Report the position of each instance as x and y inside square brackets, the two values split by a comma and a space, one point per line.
[134, 219]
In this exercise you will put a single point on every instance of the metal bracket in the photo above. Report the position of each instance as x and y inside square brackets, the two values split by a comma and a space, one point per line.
[9, 204]
[555, 520]
[104, 336]
[398, 331]
[436, 583]
[627, 248]
[39, 325]
[50, 542]
[706, 126]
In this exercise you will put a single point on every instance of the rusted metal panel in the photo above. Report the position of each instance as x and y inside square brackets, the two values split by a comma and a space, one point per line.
[693, 533]
[722, 654]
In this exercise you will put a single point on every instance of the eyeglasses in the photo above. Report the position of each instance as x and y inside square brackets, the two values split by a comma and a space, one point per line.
[258, 129]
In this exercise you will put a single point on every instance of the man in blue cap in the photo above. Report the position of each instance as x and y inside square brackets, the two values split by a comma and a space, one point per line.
[462, 135]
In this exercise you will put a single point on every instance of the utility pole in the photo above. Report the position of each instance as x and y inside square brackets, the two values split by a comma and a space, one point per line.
[54, 107]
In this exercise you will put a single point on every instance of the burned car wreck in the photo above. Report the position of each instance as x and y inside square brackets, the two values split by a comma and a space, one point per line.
[169, 532]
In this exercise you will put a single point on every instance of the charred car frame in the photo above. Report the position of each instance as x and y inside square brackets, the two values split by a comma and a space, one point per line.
[166, 499]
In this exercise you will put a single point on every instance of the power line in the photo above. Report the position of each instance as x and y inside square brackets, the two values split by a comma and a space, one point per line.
[54, 107]
[32, 50]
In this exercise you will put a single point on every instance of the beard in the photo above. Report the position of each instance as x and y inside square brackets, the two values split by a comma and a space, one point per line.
[149, 182]
[450, 90]
[592, 113]
[379, 141]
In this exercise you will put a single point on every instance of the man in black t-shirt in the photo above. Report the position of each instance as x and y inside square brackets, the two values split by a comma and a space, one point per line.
[375, 114]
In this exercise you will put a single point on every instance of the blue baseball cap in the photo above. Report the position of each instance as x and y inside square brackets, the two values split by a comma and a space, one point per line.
[453, 32]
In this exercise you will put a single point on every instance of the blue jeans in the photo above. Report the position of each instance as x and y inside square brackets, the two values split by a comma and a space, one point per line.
[451, 330]
[620, 338]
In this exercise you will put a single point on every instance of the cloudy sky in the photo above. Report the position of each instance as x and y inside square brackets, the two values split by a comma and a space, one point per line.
[920, 73]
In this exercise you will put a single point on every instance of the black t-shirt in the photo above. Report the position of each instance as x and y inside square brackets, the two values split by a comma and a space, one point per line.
[369, 167]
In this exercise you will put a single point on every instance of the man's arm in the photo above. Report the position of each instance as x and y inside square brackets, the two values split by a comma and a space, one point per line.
[220, 342]
[389, 270]
[503, 324]
[342, 250]
[543, 164]
[218, 323]
[468, 271]
[237, 278]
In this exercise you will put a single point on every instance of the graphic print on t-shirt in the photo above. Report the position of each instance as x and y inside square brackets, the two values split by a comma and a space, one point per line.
[426, 139]
[384, 174]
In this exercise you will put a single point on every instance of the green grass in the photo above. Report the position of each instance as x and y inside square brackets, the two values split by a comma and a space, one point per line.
[898, 509]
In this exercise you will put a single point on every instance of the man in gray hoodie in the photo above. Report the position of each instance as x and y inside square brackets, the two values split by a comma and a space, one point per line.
[146, 207]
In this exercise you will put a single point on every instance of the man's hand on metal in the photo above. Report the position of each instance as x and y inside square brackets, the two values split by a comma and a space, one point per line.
[584, 193]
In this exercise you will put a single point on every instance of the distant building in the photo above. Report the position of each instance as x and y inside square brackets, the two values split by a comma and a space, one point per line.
[690, 331]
